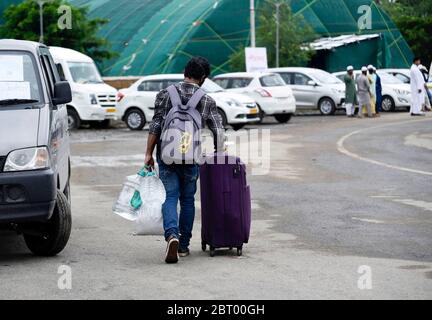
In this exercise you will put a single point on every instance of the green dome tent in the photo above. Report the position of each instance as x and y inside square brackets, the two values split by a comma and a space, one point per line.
[159, 36]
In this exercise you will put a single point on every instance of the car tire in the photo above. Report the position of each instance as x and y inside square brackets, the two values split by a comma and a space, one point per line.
[326, 106]
[223, 117]
[237, 126]
[56, 231]
[261, 115]
[135, 119]
[388, 104]
[283, 118]
[74, 121]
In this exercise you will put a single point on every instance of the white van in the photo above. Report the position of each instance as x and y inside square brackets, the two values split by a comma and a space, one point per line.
[92, 99]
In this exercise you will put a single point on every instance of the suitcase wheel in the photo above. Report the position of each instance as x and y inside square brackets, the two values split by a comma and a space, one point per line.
[239, 251]
[203, 246]
[212, 251]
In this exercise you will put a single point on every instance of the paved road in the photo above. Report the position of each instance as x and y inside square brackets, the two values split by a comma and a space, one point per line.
[341, 194]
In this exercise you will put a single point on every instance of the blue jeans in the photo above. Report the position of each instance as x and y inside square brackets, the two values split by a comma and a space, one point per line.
[180, 183]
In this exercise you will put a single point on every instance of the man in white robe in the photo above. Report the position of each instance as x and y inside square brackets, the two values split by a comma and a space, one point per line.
[417, 89]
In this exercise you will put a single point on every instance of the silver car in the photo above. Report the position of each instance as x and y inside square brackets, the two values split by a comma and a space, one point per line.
[314, 88]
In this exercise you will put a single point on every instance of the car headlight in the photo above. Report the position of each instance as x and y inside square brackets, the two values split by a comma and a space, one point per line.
[93, 99]
[231, 102]
[338, 91]
[401, 92]
[27, 159]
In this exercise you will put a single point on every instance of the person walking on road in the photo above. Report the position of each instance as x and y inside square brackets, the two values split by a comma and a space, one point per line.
[378, 91]
[417, 89]
[372, 79]
[364, 94]
[425, 73]
[179, 179]
[350, 92]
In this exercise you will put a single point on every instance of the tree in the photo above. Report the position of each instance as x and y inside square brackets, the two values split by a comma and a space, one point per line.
[21, 21]
[294, 35]
[414, 20]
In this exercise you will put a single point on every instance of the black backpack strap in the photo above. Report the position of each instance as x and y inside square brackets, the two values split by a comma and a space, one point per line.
[174, 96]
[196, 98]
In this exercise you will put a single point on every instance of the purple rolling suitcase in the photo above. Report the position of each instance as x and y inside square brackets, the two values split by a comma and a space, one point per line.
[225, 205]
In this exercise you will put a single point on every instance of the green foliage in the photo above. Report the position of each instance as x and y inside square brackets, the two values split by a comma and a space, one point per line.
[414, 20]
[294, 34]
[21, 21]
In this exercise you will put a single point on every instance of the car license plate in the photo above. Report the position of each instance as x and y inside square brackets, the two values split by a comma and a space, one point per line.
[253, 111]
[111, 110]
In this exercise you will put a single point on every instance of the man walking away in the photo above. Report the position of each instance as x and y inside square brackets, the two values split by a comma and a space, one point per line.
[417, 88]
[378, 93]
[180, 179]
[364, 93]
[350, 92]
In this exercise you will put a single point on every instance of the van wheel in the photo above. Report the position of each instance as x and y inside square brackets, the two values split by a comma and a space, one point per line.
[55, 233]
[135, 119]
[283, 118]
[74, 120]
[326, 106]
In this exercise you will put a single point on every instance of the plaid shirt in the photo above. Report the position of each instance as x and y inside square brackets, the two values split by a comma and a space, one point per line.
[207, 108]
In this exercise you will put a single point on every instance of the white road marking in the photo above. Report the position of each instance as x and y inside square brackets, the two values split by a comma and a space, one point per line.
[419, 140]
[368, 220]
[342, 149]
[416, 203]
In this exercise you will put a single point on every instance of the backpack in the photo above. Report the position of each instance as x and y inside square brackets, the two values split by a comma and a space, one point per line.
[181, 131]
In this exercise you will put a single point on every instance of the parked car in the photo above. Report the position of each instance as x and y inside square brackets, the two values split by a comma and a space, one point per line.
[34, 147]
[136, 104]
[93, 101]
[401, 74]
[395, 93]
[273, 96]
[314, 88]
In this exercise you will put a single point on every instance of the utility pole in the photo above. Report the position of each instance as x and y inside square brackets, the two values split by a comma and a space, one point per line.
[277, 32]
[252, 22]
[41, 22]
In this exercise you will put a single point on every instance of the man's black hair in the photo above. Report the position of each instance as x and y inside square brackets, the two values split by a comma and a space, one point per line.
[197, 68]
[416, 59]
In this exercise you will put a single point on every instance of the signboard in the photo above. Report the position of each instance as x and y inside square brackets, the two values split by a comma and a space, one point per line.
[256, 59]
[14, 90]
[11, 68]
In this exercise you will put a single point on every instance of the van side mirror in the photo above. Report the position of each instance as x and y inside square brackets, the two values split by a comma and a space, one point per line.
[312, 83]
[62, 93]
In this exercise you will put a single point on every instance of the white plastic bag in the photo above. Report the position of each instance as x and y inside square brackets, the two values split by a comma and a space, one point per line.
[149, 216]
[123, 206]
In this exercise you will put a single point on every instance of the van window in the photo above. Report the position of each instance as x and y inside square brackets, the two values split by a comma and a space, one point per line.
[153, 86]
[18, 77]
[273, 80]
[84, 72]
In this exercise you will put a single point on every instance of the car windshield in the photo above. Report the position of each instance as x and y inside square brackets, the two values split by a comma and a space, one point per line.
[84, 72]
[273, 80]
[325, 77]
[388, 78]
[18, 81]
[210, 86]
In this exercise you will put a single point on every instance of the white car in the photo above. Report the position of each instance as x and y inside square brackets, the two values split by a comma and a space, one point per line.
[269, 90]
[401, 74]
[395, 93]
[314, 88]
[136, 104]
[92, 100]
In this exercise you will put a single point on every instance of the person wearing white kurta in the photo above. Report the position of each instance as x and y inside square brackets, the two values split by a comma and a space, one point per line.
[417, 89]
